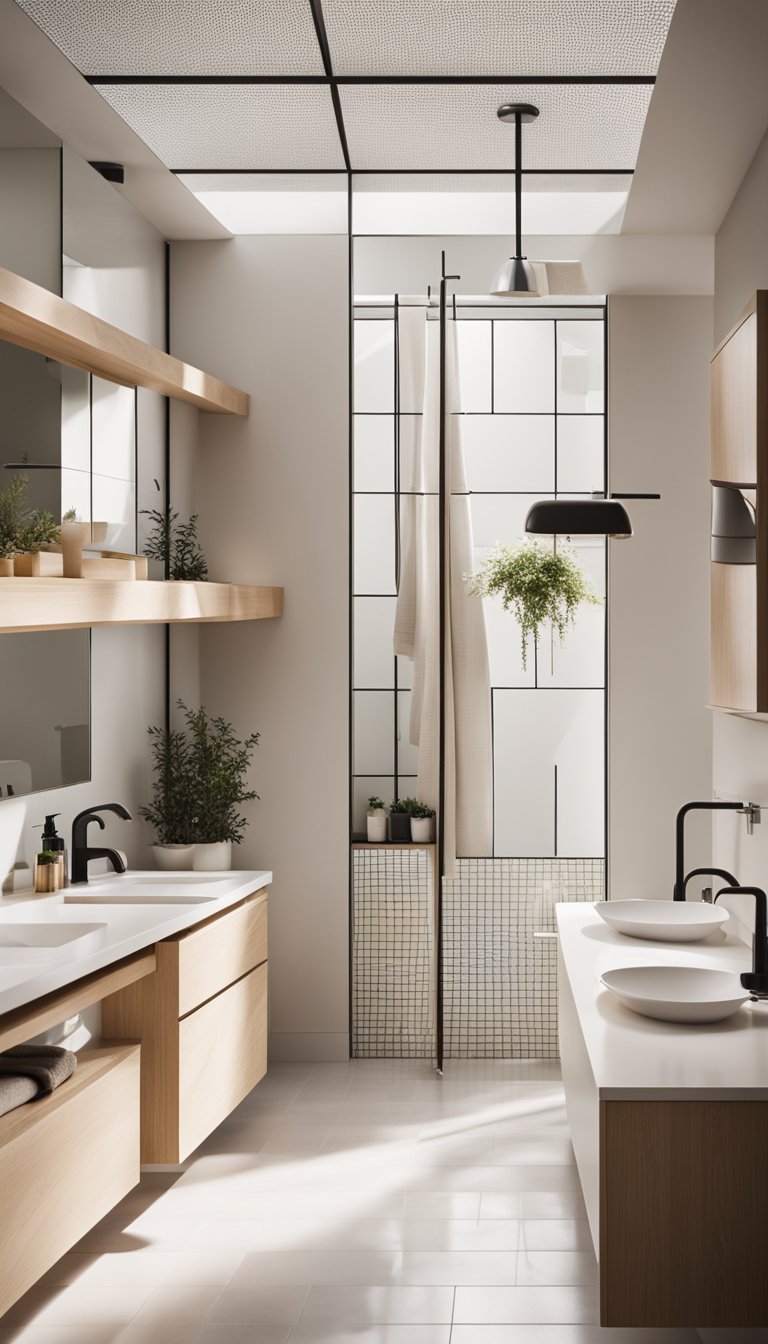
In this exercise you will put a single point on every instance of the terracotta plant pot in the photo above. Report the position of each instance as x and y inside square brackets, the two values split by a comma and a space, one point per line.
[174, 858]
[215, 858]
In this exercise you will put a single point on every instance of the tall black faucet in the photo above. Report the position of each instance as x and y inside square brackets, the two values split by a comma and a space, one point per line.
[756, 980]
[82, 852]
[678, 893]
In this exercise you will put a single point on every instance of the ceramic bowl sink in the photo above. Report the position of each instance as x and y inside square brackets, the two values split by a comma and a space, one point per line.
[663, 921]
[36, 942]
[168, 888]
[677, 993]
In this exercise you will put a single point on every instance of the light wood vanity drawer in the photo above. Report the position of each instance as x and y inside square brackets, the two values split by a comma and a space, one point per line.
[215, 954]
[65, 1161]
[222, 1056]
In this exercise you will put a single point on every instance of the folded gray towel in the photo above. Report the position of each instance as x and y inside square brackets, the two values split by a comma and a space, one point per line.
[48, 1065]
[15, 1092]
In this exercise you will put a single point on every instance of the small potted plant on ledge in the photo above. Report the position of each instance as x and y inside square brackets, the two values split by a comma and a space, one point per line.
[376, 821]
[200, 776]
[400, 820]
[176, 546]
[422, 819]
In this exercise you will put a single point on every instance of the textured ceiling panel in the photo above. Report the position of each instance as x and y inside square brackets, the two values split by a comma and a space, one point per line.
[391, 127]
[265, 182]
[182, 37]
[231, 126]
[494, 37]
[475, 183]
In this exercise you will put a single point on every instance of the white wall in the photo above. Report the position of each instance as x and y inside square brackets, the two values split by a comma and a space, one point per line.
[660, 729]
[270, 315]
[740, 754]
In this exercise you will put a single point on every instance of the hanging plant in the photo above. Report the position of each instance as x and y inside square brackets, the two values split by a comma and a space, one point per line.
[536, 584]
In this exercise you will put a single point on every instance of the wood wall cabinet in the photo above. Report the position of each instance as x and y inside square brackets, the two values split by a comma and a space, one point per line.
[739, 458]
[202, 1022]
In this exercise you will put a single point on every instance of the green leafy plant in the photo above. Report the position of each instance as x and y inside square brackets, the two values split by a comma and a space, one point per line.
[536, 584]
[11, 514]
[417, 809]
[23, 530]
[399, 805]
[376, 805]
[199, 780]
[70, 516]
[176, 544]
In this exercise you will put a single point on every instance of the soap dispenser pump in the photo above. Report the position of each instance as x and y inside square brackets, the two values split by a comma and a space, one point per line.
[51, 862]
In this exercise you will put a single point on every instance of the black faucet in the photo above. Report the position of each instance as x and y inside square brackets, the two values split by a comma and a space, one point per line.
[710, 872]
[82, 852]
[678, 893]
[756, 980]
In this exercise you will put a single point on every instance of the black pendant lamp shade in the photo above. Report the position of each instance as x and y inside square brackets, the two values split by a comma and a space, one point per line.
[734, 535]
[578, 517]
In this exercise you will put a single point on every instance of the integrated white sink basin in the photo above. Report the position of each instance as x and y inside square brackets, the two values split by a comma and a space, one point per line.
[663, 921]
[677, 993]
[35, 942]
[148, 889]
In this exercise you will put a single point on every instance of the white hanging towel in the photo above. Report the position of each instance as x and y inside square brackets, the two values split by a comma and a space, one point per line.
[468, 827]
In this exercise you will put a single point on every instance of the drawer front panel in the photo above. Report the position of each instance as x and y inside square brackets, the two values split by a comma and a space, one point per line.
[222, 1056]
[218, 953]
[65, 1161]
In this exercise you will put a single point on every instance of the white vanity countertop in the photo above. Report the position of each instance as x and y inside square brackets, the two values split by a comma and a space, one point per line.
[637, 1058]
[129, 927]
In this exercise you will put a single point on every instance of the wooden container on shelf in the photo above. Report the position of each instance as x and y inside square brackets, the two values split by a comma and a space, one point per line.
[98, 567]
[74, 536]
[6, 566]
[41, 565]
[739, 463]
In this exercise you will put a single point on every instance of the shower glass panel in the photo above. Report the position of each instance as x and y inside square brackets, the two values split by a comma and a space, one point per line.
[533, 410]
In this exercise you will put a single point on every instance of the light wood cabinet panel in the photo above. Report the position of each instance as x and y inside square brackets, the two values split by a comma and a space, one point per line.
[733, 645]
[202, 1022]
[222, 1056]
[733, 406]
[65, 1161]
[215, 954]
[684, 1186]
[739, 457]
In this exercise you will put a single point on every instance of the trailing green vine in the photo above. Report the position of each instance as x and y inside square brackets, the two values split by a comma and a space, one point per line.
[536, 584]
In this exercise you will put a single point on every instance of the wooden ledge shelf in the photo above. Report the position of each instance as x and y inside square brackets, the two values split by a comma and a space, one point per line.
[67, 604]
[39, 320]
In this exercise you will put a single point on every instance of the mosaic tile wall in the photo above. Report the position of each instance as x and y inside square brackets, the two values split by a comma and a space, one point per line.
[500, 981]
[392, 954]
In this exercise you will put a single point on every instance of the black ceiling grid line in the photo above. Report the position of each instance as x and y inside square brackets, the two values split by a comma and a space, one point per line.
[405, 172]
[325, 52]
[335, 80]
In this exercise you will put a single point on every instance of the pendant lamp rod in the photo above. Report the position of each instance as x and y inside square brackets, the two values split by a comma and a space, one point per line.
[518, 183]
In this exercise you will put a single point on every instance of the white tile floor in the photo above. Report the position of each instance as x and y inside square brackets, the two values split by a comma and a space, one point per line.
[367, 1201]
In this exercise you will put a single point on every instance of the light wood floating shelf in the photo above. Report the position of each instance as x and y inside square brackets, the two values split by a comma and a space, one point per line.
[66, 604]
[39, 320]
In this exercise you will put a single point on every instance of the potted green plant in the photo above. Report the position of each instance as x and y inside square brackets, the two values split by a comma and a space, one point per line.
[422, 819]
[199, 783]
[376, 820]
[536, 584]
[399, 821]
[23, 532]
[176, 545]
[11, 510]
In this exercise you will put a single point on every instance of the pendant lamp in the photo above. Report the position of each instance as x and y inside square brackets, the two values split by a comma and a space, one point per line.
[520, 278]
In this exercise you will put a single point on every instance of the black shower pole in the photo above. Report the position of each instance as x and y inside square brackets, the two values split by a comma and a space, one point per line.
[443, 590]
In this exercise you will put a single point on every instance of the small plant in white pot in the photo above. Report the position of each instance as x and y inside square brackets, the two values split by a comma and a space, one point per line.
[200, 775]
[422, 820]
[376, 821]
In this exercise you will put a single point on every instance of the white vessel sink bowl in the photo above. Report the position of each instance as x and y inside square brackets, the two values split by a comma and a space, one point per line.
[36, 942]
[677, 993]
[663, 921]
